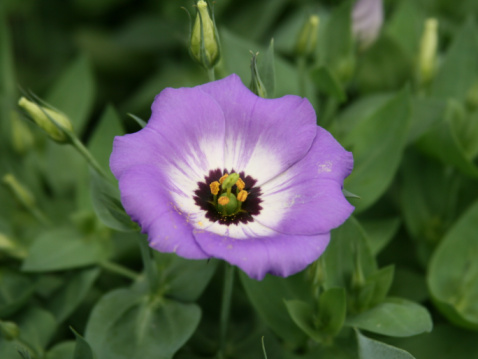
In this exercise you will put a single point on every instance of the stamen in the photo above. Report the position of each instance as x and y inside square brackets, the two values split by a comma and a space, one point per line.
[240, 184]
[223, 200]
[242, 196]
[214, 186]
[223, 178]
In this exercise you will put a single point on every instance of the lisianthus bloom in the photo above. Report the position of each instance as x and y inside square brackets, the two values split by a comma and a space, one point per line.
[220, 172]
[367, 20]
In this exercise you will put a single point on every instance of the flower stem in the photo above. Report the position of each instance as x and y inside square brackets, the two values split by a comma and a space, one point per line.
[149, 266]
[88, 156]
[119, 269]
[302, 70]
[226, 307]
[211, 75]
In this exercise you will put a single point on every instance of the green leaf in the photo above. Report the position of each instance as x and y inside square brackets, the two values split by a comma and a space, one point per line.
[328, 83]
[409, 284]
[62, 350]
[184, 279]
[406, 25]
[394, 317]
[381, 281]
[74, 93]
[332, 310]
[82, 348]
[348, 243]
[426, 113]
[101, 142]
[37, 327]
[445, 341]
[373, 349]
[127, 324]
[266, 66]
[304, 317]
[380, 232]
[65, 248]
[267, 297]
[384, 67]
[7, 70]
[339, 44]
[15, 290]
[459, 69]
[453, 272]
[442, 141]
[107, 204]
[377, 143]
[72, 293]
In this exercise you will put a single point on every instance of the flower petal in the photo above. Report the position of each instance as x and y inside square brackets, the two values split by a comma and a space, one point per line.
[263, 136]
[281, 255]
[307, 198]
[152, 208]
[184, 140]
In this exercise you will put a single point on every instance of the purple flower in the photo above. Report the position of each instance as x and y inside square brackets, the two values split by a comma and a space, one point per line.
[367, 20]
[284, 190]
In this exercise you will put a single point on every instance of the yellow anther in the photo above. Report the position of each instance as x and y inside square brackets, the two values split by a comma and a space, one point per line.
[242, 196]
[214, 186]
[240, 184]
[223, 178]
[223, 200]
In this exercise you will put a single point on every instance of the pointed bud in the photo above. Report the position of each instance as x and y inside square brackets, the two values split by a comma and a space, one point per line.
[18, 190]
[53, 123]
[204, 43]
[256, 85]
[428, 51]
[307, 40]
[367, 20]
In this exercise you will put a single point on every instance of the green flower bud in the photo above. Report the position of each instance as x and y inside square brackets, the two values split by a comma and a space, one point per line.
[307, 40]
[19, 191]
[204, 43]
[428, 51]
[256, 86]
[9, 330]
[22, 137]
[44, 118]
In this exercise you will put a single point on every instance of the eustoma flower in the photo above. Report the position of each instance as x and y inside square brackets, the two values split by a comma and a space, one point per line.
[220, 172]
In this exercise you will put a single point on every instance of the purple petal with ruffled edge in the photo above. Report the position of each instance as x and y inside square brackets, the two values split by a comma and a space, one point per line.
[281, 255]
[307, 198]
[263, 136]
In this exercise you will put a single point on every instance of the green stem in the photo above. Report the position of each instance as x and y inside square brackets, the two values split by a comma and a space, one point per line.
[119, 269]
[211, 75]
[149, 266]
[302, 71]
[226, 307]
[88, 156]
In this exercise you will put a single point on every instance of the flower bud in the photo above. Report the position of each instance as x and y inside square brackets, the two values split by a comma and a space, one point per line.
[428, 51]
[19, 191]
[9, 330]
[307, 40]
[204, 43]
[44, 118]
[367, 20]
[256, 86]
[22, 137]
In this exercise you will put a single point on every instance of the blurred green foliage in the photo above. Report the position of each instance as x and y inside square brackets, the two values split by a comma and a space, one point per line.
[402, 272]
